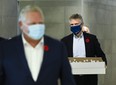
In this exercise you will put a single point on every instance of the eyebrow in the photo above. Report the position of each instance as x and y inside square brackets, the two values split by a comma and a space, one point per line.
[75, 24]
[36, 23]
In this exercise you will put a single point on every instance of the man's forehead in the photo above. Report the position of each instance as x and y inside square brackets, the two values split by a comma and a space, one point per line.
[75, 21]
[33, 15]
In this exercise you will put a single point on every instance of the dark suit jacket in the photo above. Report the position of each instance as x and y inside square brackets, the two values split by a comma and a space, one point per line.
[92, 46]
[14, 69]
[1, 39]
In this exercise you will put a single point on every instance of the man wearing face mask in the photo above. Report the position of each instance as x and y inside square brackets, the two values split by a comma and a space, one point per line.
[33, 58]
[82, 44]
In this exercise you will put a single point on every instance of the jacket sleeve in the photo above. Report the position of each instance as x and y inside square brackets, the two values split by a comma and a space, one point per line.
[66, 74]
[99, 51]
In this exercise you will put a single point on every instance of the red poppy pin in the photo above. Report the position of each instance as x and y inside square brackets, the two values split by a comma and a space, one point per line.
[87, 40]
[46, 48]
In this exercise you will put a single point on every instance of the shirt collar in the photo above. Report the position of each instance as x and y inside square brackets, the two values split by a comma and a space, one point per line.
[79, 36]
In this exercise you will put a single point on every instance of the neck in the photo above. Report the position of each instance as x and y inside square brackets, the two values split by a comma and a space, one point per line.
[31, 41]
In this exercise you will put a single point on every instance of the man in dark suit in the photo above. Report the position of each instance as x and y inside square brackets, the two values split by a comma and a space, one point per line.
[81, 44]
[33, 58]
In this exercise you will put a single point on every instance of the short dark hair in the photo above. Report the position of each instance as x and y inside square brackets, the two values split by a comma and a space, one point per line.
[76, 16]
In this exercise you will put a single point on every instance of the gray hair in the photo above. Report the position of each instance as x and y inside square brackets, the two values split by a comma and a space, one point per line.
[76, 16]
[29, 8]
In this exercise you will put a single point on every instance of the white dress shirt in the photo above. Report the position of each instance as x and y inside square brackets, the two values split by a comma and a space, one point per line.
[79, 46]
[34, 57]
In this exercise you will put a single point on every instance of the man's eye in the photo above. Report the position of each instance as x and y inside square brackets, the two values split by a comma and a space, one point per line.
[41, 23]
[32, 23]
[71, 24]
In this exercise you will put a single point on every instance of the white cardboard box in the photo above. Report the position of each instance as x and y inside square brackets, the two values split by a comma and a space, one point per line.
[87, 66]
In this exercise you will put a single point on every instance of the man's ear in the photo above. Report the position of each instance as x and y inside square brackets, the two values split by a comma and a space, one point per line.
[81, 26]
[20, 24]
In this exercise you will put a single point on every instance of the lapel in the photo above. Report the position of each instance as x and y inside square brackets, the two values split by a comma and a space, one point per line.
[21, 54]
[71, 45]
[45, 59]
[87, 43]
